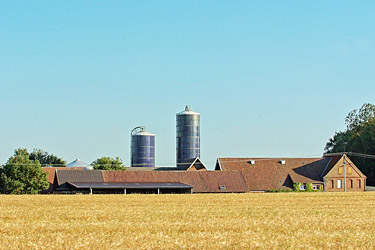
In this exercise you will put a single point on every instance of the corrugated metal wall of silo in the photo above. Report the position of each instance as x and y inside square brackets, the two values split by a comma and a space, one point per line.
[187, 136]
[142, 148]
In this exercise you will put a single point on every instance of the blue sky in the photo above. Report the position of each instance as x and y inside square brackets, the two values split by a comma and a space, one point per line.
[270, 78]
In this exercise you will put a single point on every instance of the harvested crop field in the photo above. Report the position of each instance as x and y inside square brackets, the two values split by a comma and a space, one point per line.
[199, 221]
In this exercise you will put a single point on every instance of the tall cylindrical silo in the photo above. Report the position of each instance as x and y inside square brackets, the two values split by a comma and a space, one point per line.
[187, 136]
[142, 148]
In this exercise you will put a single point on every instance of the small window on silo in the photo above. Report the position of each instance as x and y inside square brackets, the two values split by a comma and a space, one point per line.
[222, 187]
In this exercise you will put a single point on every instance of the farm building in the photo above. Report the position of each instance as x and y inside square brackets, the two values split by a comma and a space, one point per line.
[192, 165]
[331, 173]
[233, 175]
[104, 181]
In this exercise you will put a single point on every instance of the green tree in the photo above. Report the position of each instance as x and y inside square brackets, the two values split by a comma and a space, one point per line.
[360, 117]
[107, 163]
[46, 159]
[359, 137]
[20, 175]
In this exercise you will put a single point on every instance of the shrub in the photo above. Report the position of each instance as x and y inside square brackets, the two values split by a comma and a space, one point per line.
[297, 187]
[309, 187]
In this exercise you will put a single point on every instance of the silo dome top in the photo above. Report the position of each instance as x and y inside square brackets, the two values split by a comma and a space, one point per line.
[141, 131]
[78, 163]
[188, 111]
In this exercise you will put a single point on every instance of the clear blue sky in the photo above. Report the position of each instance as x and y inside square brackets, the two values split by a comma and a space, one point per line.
[270, 78]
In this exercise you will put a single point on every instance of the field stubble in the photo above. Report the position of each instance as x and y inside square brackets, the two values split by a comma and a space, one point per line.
[199, 221]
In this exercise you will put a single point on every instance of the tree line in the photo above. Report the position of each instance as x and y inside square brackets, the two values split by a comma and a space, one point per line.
[23, 172]
[358, 137]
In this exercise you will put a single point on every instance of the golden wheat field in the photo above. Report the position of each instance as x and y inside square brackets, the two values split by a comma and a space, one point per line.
[199, 221]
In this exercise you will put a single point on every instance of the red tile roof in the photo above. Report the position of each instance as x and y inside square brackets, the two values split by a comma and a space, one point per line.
[270, 173]
[202, 181]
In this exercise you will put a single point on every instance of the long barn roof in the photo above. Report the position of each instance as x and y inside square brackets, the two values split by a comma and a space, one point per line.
[202, 181]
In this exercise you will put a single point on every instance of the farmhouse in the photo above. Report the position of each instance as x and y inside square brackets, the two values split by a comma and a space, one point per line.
[330, 173]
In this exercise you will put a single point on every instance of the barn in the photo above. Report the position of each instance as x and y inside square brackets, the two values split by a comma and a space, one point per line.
[104, 181]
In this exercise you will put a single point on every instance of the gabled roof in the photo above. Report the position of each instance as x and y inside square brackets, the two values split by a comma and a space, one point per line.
[51, 171]
[196, 164]
[309, 172]
[339, 159]
[202, 181]
[275, 173]
[64, 176]
[332, 162]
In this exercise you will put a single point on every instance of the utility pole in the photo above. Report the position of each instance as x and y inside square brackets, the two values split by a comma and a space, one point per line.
[344, 167]
[344, 175]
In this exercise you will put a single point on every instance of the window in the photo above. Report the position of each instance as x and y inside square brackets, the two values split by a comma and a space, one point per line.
[222, 187]
[359, 183]
[315, 187]
[351, 184]
[339, 183]
[302, 187]
[341, 170]
[332, 184]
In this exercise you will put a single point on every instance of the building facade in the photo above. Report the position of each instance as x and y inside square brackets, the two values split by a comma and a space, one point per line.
[342, 175]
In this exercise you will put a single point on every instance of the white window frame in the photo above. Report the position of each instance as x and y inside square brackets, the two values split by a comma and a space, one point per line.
[302, 187]
[339, 183]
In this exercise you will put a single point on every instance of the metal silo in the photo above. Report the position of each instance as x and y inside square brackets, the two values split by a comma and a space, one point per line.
[187, 136]
[142, 148]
